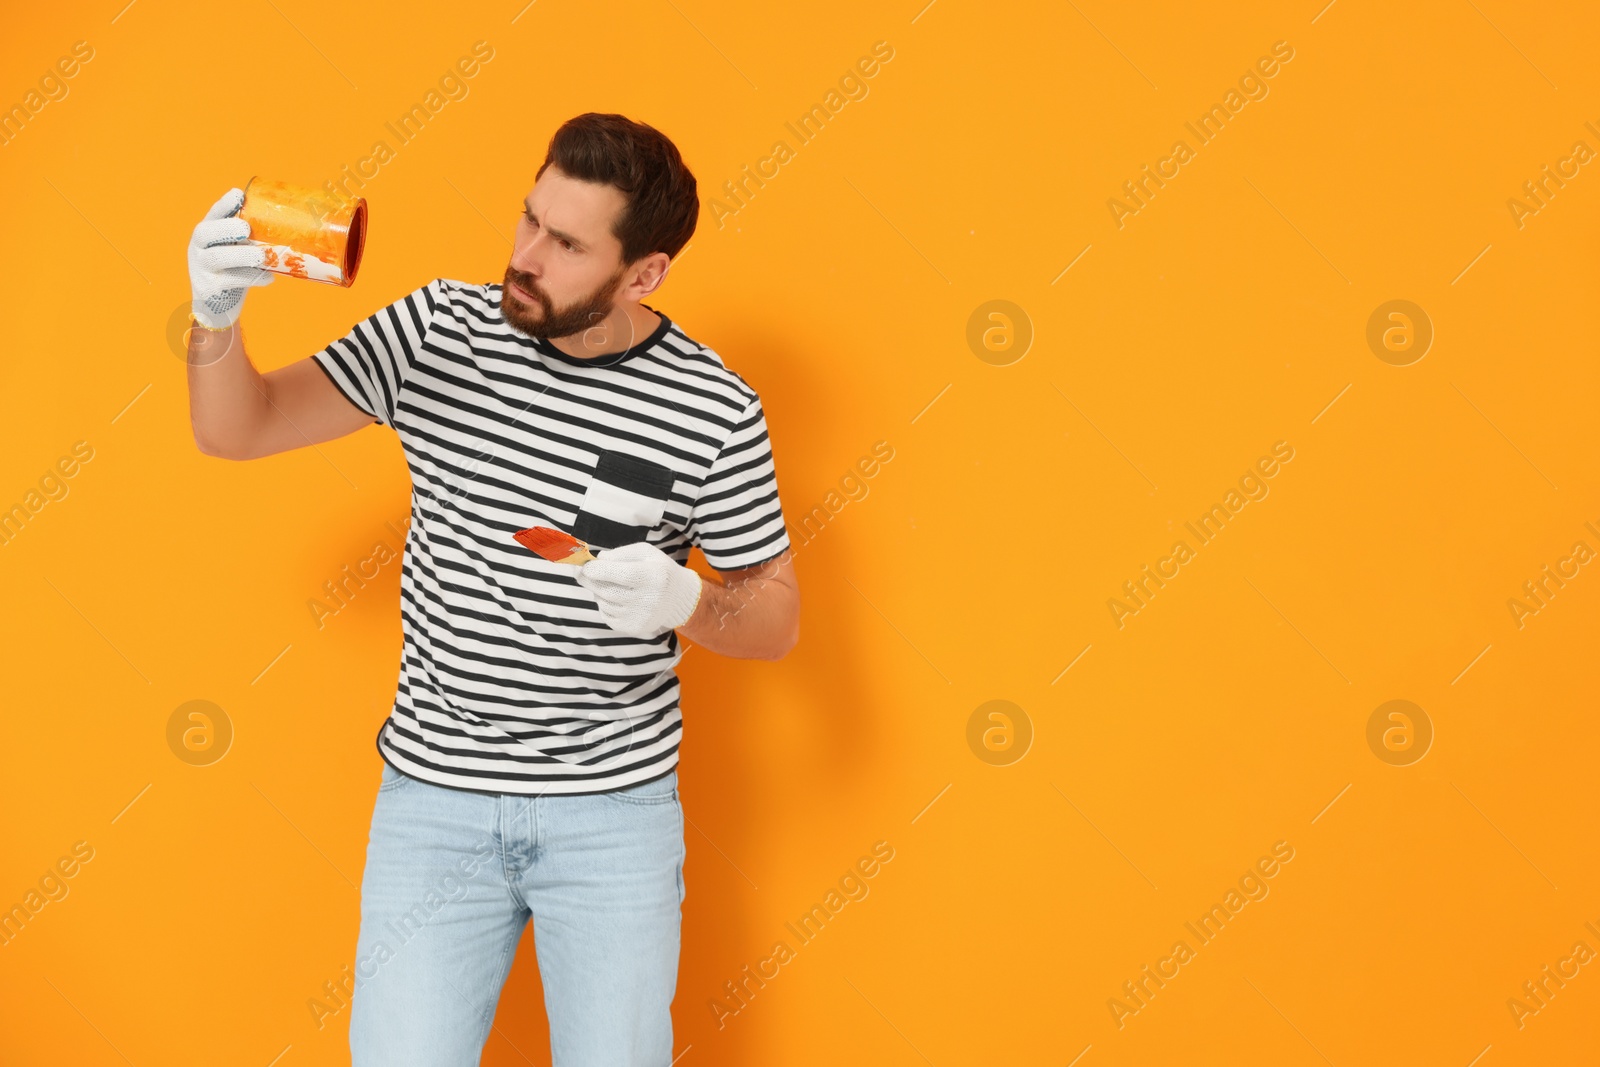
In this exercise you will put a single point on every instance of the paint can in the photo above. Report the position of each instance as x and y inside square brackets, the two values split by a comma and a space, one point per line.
[308, 233]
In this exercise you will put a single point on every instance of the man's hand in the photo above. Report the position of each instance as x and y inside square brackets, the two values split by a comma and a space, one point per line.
[640, 591]
[221, 267]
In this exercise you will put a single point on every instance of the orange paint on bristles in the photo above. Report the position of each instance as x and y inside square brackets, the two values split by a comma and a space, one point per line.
[552, 544]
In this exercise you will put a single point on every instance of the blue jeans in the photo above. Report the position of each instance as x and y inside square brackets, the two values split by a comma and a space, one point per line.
[452, 877]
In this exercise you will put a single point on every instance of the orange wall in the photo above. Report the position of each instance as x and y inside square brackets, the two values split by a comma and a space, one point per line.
[1227, 717]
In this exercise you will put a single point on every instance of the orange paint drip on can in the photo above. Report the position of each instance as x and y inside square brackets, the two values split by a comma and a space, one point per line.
[307, 233]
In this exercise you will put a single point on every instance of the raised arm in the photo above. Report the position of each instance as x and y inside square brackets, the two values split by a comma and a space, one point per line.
[235, 412]
[239, 413]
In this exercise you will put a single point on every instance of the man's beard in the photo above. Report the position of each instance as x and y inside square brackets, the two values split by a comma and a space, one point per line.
[545, 321]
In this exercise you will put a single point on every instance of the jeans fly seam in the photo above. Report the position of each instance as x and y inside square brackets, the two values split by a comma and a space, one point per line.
[509, 853]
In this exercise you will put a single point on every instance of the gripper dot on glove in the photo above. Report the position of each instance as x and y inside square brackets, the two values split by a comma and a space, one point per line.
[222, 268]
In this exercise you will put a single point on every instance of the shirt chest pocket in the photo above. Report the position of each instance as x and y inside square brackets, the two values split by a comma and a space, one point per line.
[626, 499]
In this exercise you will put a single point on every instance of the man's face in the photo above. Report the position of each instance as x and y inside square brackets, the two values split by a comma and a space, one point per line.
[567, 266]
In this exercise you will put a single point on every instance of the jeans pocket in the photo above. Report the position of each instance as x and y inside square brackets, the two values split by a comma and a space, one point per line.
[392, 779]
[663, 790]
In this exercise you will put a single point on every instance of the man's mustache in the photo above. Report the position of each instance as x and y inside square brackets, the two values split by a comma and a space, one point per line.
[525, 285]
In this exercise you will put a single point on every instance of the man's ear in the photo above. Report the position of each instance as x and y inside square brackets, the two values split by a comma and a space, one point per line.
[650, 272]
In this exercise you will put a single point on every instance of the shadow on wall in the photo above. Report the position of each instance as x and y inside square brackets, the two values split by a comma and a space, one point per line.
[731, 718]
[748, 724]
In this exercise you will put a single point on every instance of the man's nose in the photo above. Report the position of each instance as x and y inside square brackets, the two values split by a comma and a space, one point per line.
[525, 257]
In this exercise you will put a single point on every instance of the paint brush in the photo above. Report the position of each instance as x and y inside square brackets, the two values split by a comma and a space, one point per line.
[553, 545]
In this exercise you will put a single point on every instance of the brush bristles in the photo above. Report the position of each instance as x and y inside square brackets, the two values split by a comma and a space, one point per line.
[551, 544]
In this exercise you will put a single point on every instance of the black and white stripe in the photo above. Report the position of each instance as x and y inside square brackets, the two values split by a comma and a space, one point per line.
[510, 680]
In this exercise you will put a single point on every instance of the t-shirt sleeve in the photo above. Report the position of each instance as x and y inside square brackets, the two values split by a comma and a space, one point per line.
[738, 518]
[369, 365]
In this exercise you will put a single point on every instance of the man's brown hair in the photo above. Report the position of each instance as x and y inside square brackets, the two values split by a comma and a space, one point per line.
[662, 204]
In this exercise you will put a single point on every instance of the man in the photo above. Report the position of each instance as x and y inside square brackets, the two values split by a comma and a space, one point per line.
[530, 757]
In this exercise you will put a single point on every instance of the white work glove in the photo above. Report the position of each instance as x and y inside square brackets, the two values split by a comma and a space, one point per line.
[220, 268]
[640, 590]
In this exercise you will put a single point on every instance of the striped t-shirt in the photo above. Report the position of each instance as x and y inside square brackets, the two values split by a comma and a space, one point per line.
[510, 679]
